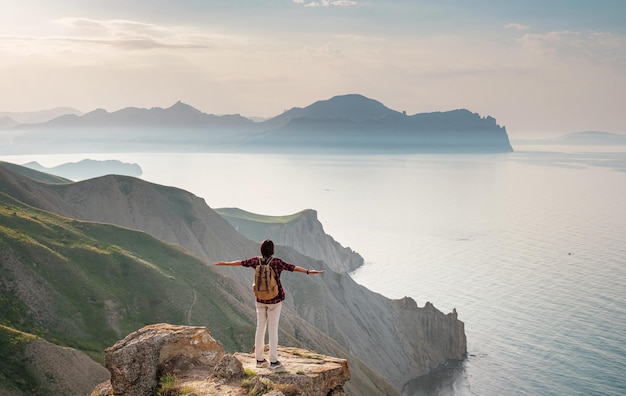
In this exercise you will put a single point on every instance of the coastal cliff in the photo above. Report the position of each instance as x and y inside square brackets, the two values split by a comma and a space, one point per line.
[153, 269]
[349, 123]
[302, 231]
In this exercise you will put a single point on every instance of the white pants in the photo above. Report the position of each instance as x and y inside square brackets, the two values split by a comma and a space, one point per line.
[267, 315]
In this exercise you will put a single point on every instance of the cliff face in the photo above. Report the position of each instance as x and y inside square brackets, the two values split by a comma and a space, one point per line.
[438, 338]
[197, 362]
[410, 340]
[301, 231]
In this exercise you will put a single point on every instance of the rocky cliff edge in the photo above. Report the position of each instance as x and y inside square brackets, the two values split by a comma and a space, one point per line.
[187, 360]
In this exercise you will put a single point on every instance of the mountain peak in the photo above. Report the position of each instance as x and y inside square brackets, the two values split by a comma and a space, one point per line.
[353, 107]
[179, 105]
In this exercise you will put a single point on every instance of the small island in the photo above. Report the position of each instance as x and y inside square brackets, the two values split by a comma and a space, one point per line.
[88, 169]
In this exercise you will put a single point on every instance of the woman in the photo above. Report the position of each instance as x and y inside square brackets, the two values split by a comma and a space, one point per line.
[268, 311]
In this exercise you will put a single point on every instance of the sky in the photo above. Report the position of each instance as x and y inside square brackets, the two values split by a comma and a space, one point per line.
[539, 67]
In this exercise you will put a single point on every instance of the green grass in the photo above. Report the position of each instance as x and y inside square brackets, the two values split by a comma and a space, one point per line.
[254, 226]
[34, 174]
[257, 385]
[237, 213]
[261, 385]
[14, 370]
[168, 386]
[100, 282]
[249, 373]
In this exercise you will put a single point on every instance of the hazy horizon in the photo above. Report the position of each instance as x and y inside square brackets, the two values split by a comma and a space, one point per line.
[539, 68]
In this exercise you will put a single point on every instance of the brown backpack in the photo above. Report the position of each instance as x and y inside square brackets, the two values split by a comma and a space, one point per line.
[265, 285]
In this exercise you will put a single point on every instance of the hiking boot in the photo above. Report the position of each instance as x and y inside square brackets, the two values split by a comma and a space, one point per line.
[276, 366]
[262, 363]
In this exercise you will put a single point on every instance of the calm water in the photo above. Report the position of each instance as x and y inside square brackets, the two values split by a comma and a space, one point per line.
[529, 247]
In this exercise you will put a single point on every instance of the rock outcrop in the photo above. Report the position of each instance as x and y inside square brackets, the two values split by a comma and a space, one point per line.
[137, 361]
[197, 362]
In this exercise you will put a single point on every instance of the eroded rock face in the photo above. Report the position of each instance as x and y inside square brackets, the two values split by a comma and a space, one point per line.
[137, 361]
[310, 373]
[198, 363]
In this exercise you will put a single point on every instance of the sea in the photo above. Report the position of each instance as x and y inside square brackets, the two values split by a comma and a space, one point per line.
[529, 247]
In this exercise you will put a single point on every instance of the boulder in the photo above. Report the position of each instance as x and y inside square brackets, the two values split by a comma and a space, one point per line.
[228, 368]
[138, 361]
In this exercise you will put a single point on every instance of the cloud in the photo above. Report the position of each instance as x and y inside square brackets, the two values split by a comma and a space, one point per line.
[112, 26]
[517, 26]
[91, 34]
[126, 34]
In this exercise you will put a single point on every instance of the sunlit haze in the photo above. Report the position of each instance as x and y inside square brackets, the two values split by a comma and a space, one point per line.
[539, 67]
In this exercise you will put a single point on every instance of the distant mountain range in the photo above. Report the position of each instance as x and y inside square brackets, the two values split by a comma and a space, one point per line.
[178, 115]
[8, 119]
[347, 122]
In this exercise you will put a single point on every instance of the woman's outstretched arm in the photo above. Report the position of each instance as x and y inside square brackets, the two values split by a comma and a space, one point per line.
[307, 271]
[229, 263]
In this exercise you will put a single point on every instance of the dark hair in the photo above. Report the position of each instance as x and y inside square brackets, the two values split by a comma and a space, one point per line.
[267, 248]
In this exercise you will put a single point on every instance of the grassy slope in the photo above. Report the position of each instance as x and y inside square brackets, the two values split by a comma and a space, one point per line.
[14, 371]
[104, 282]
[248, 216]
[34, 174]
